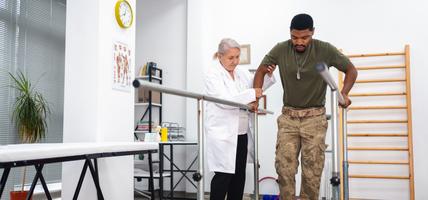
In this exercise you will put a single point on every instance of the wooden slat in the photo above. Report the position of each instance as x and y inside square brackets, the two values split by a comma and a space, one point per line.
[377, 176]
[380, 67]
[381, 80]
[375, 121]
[377, 148]
[376, 107]
[409, 125]
[377, 94]
[378, 162]
[377, 135]
[407, 93]
[375, 54]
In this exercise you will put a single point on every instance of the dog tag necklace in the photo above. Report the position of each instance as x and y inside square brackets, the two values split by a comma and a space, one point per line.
[300, 65]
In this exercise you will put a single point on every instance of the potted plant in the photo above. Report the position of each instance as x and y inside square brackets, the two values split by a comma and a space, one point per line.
[30, 114]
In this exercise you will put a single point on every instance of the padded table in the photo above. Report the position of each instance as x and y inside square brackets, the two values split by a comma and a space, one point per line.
[18, 155]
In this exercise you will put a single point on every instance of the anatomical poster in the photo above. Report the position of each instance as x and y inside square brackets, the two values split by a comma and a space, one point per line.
[122, 70]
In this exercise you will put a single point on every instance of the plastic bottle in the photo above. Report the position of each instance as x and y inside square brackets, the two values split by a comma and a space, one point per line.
[164, 134]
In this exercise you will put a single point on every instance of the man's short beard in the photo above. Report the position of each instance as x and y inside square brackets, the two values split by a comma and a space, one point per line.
[298, 51]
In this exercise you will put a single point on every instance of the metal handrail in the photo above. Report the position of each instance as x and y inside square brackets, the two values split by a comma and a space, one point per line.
[199, 176]
[336, 98]
[156, 87]
[335, 179]
[345, 164]
[159, 88]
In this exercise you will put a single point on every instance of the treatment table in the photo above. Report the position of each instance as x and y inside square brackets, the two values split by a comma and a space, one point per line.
[37, 155]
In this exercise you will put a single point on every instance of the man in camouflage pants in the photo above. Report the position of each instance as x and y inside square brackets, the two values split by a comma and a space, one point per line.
[302, 126]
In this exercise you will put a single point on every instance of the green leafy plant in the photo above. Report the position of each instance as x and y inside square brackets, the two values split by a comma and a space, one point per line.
[30, 110]
[30, 113]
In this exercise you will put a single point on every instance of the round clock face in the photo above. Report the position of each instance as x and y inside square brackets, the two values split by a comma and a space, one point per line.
[124, 14]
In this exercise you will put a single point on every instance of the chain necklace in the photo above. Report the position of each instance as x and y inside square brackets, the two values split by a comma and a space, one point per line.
[300, 65]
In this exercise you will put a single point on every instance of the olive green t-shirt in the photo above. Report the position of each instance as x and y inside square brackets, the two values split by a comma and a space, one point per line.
[310, 89]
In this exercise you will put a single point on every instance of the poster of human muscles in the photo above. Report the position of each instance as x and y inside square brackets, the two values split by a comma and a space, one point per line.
[122, 70]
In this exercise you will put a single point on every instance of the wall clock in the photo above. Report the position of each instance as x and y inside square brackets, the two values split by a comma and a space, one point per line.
[124, 14]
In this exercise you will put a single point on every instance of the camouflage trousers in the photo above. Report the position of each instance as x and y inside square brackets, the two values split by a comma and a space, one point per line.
[300, 131]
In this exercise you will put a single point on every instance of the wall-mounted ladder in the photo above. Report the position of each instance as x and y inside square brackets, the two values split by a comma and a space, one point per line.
[379, 124]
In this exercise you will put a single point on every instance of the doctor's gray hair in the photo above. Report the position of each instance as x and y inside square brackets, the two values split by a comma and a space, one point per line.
[226, 44]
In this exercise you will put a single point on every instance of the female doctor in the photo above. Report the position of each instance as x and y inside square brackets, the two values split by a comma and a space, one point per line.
[227, 128]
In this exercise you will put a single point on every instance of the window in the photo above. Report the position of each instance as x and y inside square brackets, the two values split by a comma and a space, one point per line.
[32, 39]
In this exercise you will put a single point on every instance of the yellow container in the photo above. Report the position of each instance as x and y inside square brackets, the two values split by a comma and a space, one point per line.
[164, 134]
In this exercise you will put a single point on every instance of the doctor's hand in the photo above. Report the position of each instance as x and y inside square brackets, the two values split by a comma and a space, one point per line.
[259, 92]
[254, 105]
[270, 69]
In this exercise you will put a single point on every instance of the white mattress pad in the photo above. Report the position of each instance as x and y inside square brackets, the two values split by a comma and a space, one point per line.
[21, 152]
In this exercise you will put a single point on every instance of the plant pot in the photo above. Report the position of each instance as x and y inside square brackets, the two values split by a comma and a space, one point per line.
[18, 195]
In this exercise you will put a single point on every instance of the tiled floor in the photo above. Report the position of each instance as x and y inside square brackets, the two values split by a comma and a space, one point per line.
[139, 197]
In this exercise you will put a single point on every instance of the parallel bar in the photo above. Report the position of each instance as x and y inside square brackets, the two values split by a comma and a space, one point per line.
[377, 135]
[381, 67]
[378, 148]
[335, 179]
[376, 54]
[381, 80]
[378, 177]
[377, 94]
[201, 182]
[199, 176]
[336, 97]
[345, 164]
[256, 157]
[343, 142]
[156, 87]
[376, 107]
[378, 162]
[375, 121]
[231, 103]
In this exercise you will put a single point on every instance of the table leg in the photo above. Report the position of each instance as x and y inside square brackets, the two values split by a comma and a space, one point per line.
[161, 171]
[96, 180]
[171, 152]
[79, 184]
[42, 181]
[151, 185]
[4, 179]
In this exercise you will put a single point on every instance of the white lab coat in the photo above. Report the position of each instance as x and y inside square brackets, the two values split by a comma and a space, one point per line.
[222, 121]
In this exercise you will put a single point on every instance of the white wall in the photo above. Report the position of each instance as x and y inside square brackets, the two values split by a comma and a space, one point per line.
[161, 37]
[352, 26]
[93, 111]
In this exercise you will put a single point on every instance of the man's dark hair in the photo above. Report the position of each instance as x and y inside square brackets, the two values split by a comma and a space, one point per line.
[302, 22]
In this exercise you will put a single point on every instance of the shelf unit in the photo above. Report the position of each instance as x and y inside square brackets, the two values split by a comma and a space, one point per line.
[154, 74]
